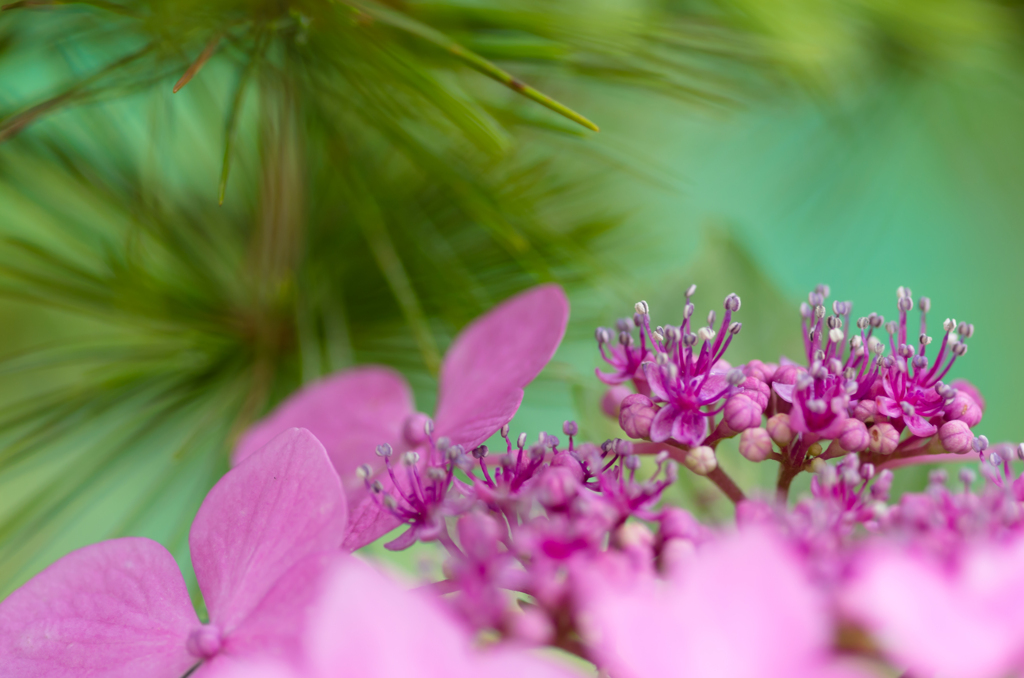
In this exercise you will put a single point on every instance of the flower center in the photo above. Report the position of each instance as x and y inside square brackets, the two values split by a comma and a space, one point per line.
[204, 642]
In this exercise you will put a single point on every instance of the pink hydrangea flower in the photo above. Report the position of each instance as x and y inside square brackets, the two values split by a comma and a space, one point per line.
[950, 620]
[363, 624]
[481, 387]
[741, 607]
[120, 608]
[690, 385]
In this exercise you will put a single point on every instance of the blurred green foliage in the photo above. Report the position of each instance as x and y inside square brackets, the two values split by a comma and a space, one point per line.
[384, 180]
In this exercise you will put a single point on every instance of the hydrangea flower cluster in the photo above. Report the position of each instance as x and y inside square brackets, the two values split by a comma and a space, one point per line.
[556, 541]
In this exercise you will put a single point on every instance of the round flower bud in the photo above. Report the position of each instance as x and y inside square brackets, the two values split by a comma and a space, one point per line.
[479, 534]
[635, 415]
[853, 436]
[613, 397]
[204, 642]
[787, 374]
[956, 436]
[884, 439]
[677, 523]
[414, 430]
[964, 408]
[755, 444]
[558, 486]
[531, 627]
[865, 409]
[701, 460]
[970, 389]
[741, 413]
[780, 430]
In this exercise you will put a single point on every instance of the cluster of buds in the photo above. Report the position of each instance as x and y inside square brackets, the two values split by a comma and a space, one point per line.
[849, 396]
[682, 381]
[527, 518]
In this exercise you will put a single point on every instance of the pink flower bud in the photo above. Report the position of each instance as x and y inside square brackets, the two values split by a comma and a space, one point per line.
[786, 374]
[970, 389]
[865, 409]
[701, 460]
[677, 523]
[635, 537]
[613, 398]
[884, 439]
[755, 444]
[759, 370]
[532, 627]
[964, 408]
[204, 642]
[558, 486]
[853, 436]
[780, 430]
[636, 414]
[414, 429]
[478, 534]
[956, 436]
[741, 413]
[758, 391]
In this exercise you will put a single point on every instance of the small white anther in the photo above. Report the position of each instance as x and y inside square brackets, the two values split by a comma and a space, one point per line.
[706, 334]
[835, 335]
[641, 307]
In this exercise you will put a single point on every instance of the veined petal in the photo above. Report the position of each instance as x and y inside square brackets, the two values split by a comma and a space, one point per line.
[690, 428]
[785, 391]
[493, 358]
[350, 413]
[888, 407]
[275, 630]
[117, 609]
[279, 505]
[369, 522]
[656, 380]
[920, 426]
[661, 425]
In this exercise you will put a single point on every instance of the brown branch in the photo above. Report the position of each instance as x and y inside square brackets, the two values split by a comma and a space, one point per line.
[193, 69]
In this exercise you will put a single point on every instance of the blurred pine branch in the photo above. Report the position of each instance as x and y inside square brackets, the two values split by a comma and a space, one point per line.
[378, 192]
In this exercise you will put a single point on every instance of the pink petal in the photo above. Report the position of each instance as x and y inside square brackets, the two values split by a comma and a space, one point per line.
[745, 589]
[368, 626]
[493, 358]
[919, 426]
[276, 628]
[656, 382]
[231, 667]
[279, 505]
[369, 522]
[612, 379]
[663, 422]
[965, 623]
[350, 413]
[888, 407]
[970, 389]
[690, 429]
[785, 391]
[117, 609]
